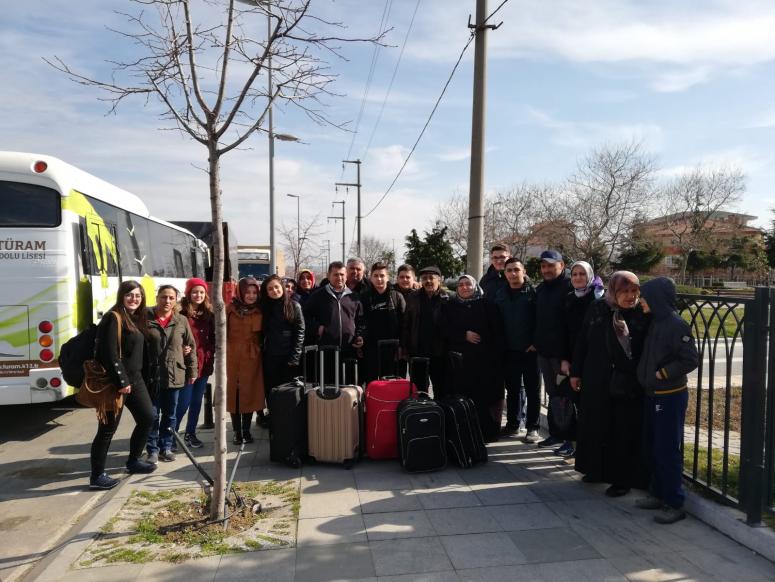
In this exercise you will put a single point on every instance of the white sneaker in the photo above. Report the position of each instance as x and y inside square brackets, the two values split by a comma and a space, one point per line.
[532, 437]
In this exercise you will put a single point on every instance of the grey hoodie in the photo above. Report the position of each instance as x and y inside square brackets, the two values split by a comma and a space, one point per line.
[670, 347]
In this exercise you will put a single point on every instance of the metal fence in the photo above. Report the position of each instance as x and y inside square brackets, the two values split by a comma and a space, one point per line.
[729, 442]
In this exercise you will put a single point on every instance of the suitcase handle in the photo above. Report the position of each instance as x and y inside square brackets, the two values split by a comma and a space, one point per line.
[381, 344]
[355, 369]
[321, 359]
[426, 364]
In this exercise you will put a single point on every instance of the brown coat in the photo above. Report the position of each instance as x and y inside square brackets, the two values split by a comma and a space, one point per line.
[244, 367]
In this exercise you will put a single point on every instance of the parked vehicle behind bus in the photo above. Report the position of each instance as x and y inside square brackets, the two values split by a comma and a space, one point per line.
[67, 240]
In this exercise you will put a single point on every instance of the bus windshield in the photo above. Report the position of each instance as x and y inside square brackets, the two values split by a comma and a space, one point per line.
[28, 205]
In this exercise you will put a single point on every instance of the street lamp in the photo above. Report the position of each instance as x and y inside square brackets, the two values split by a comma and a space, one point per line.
[272, 135]
[298, 226]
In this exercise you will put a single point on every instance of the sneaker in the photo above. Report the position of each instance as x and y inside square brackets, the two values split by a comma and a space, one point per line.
[237, 440]
[192, 442]
[614, 491]
[567, 450]
[509, 430]
[532, 437]
[669, 515]
[137, 466]
[649, 502]
[550, 441]
[167, 456]
[247, 438]
[152, 458]
[103, 482]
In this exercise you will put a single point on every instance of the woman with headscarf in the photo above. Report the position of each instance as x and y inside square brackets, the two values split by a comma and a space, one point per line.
[604, 371]
[305, 285]
[472, 327]
[586, 288]
[244, 369]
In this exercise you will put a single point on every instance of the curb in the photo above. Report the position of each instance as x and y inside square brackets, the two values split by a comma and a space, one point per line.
[731, 522]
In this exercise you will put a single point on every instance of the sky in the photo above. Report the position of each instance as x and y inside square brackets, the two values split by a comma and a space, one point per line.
[692, 80]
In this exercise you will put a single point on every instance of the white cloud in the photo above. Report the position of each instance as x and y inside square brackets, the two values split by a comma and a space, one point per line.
[584, 135]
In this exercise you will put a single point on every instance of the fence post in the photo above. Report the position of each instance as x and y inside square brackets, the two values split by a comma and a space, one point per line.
[754, 406]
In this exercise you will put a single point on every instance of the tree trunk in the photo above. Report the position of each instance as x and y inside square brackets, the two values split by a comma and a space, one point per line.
[219, 386]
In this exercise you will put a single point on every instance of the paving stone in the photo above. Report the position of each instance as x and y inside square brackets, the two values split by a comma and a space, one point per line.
[199, 570]
[437, 480]
[388, 501]
[409, 556]
[331, 530]
[332, 503]
[519, 573]
[275, 565]
[481, 550]
[552, 545]
[448, 497]
[323, 563]
[401, 524]
[580, 571]
[663, 568]
[463, 520]
[733, 563]
[382, 481]
[524, 516]
[504, 493]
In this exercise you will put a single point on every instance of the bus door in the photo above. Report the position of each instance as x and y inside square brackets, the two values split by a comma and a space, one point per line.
[102, 265]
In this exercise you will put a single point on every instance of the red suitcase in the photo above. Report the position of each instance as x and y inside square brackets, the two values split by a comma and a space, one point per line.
[382, 399]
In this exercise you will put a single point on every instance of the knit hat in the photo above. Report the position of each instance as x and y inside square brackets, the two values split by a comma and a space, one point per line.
[195, 282]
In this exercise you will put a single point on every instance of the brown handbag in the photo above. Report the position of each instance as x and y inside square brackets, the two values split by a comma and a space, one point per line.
[98, 390]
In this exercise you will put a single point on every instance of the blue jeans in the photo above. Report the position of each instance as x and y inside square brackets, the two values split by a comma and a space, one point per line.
[190, 400]
[164, 411]
[523, 404]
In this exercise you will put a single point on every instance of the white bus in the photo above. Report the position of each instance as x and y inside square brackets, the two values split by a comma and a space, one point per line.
[67, 239]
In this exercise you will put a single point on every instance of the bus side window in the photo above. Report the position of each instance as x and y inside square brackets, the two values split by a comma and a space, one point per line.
[180, 270]
[111, 260]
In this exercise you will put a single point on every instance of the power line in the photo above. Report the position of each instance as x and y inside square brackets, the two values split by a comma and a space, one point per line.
[392, 79]
[494, 12]
[370, 77]
[422, 132]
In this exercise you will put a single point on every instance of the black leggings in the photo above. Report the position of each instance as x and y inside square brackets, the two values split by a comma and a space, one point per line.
[139, 404]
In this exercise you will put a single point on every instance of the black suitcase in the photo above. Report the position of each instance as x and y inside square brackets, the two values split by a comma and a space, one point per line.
[421, 435]
[288, 418]
[465, 442]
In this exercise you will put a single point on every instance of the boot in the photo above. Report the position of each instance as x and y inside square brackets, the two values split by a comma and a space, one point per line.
[246, 436]
[208, 406]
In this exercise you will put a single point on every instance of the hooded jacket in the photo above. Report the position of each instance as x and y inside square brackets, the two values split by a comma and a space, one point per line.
[492, 281]
[283, 337]
[340, 315]
[669, 348]
[550, 334]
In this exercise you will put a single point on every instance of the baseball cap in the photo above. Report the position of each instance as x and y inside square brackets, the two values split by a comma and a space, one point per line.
[551, 256]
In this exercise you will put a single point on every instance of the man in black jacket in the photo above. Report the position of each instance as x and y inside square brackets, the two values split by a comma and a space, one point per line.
[421, 328]
[356, 276]
[517, 306]
[494, 278]
[383, 310]
[337, 314]
[550, 335]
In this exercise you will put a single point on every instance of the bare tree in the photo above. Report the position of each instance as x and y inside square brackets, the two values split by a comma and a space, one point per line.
[692, 200]
[209, 76]
[519, 214]
[454, 215]
[612, 186]
[374, 249]
[298, 244]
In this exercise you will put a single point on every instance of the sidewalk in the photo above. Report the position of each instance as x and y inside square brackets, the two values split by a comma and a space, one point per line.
[523, 516]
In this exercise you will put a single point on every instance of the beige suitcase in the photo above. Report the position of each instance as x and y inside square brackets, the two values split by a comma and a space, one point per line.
[334, 419]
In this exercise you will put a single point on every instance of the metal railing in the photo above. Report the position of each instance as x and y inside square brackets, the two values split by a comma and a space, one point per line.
[729, 437]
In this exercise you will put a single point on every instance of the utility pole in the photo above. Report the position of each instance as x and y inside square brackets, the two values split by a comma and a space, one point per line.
[297, 259]
[342, 218]
[476, 189]
[357, 185]
[328, 251]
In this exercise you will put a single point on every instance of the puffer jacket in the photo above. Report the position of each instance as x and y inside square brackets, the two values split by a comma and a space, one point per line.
[169, 367]
[517, 309]
[550, 334]
[669, 347]
[340, 315]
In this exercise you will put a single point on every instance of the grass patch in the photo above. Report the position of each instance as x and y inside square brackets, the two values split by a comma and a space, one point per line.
[253, 544]
[154, 496]
[129, 555]
[109, 525]
[175, 557]
[148, 531]
[717, 468]
[271, 539]
[719, 408]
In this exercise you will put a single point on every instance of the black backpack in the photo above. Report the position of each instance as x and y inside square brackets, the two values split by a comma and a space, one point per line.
[75, 352]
